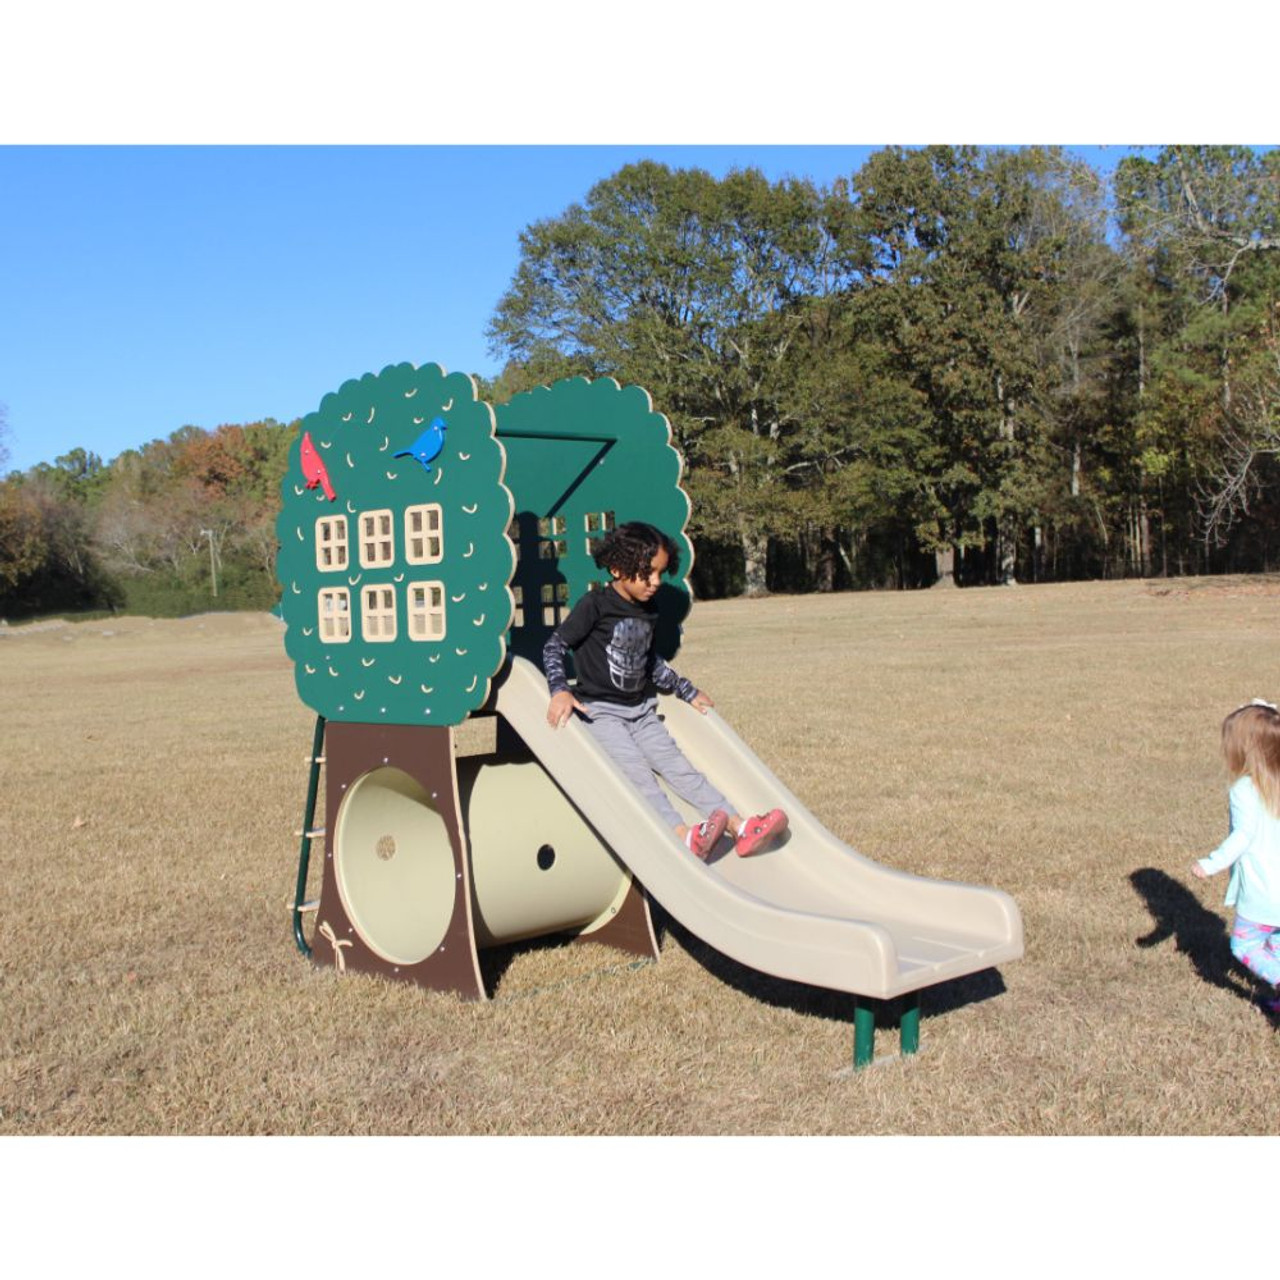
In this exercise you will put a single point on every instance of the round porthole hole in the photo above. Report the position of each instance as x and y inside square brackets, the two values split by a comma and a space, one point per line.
[546, 858]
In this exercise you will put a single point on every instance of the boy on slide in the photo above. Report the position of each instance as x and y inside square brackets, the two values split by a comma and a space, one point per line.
[611, 633]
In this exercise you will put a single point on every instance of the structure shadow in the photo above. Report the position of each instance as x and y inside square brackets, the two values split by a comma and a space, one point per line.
[672, 605]
[813, 1001]
[1201, 935]
[496, 960]
[799, 997]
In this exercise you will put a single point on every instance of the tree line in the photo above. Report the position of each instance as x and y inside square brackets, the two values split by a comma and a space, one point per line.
[956, 365]
[178, 526]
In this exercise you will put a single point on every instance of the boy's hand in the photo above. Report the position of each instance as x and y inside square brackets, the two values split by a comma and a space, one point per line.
[1198, 871]
[563, 705]
[701, 702]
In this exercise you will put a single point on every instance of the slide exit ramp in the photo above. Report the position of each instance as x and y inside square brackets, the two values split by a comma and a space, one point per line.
[812, 909]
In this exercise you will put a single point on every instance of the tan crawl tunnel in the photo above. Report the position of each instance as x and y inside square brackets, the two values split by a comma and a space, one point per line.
[537, 867]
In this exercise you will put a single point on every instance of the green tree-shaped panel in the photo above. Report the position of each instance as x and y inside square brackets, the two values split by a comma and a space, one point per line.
[581, 457]
[394, 558]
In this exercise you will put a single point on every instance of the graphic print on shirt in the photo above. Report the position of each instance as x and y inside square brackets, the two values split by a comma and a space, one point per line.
[628, 654]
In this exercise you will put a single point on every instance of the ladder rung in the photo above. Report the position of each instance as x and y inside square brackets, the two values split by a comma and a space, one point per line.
[311, 835]
[313, 759]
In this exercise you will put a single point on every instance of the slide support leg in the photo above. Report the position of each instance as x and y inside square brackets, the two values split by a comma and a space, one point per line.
[864, 1028]
[909, 1024]
[864, 1033]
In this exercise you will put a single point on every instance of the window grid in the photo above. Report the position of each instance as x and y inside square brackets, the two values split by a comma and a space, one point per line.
[378, 614]
[597, 523]
[377, 545]
[331, 544]
[555, 596]
[552, 543]
[426, 611]
[335, 615]
[424, 534]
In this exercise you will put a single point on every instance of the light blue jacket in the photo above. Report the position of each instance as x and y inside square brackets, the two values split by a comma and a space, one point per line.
[1252, 851]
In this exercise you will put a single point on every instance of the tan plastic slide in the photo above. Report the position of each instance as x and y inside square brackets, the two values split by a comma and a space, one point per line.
[812, 909]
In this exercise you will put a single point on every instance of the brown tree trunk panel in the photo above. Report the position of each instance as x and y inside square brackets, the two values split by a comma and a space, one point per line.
[426, 755]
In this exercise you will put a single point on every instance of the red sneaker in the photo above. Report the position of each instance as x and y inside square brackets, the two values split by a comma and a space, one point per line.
[760, 832]
[706, 835]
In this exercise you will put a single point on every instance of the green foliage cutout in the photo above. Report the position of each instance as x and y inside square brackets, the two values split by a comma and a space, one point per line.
[582, 457]
[394, 558]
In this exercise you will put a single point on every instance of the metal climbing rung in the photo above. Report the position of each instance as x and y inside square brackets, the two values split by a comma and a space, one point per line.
[307, 834]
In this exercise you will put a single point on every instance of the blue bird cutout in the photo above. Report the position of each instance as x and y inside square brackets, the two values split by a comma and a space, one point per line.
[427, 445]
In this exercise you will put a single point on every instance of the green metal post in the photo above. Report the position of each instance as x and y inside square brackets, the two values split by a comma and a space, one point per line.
[304, 849]
[864, 1033]
[909, 1024]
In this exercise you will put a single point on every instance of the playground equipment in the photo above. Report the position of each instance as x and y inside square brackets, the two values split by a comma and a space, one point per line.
[429, 546]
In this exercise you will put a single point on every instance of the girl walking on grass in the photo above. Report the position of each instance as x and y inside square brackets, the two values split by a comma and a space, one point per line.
[1251, 746]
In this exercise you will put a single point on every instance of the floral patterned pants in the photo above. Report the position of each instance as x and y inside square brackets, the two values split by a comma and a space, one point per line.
[1255, 946]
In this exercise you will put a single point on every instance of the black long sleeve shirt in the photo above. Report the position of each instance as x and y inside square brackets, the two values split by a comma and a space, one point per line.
[612, 640]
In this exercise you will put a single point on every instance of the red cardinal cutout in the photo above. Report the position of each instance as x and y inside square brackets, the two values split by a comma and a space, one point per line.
[314, 469]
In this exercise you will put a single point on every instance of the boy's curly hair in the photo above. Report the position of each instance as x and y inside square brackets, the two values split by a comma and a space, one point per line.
[629, 549]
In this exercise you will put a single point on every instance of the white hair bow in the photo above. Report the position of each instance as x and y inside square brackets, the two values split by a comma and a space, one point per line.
[1262, 702]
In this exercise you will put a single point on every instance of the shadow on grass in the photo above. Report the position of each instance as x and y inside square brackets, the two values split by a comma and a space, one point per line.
[819, 1002]
[1201, 935]
[800, 997]
[496, 960]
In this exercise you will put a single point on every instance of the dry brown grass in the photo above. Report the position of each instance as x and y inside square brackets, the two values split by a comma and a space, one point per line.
[1059, 742]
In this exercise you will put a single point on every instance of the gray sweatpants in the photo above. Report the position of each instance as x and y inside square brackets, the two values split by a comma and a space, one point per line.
[639, 744]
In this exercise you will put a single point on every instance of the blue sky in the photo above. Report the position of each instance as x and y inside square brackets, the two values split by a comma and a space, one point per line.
[211, 275]
[146, 288]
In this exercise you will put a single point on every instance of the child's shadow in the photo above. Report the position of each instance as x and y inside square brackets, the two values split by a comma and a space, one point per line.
[1199, 934]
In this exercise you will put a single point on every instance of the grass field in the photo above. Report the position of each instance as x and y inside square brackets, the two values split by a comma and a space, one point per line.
[1059, 742]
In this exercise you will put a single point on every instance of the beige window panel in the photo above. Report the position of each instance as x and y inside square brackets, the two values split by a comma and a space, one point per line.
[335, 615]
[555, 596]
[378, 613]
[552, 544]
[597, 523]
[426, 611]
[331, 544]
[424, 534]
[377, 542]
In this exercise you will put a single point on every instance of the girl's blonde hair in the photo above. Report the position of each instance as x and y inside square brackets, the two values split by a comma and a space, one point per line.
[1251, 744]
